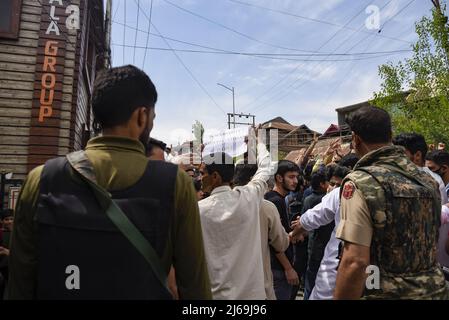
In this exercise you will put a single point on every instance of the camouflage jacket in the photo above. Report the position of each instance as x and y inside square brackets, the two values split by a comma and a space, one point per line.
[405, 211]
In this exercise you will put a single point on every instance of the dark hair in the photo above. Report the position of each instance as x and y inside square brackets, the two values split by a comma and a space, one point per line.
[340, 172]
[440, 157]
[317, 178]
[413, 142]
[349, 161]
[301, 183]
[155, 143]
[221, 163]
[329, 170]
[372, 124]
[243, 173]
[118, 92]
[285, 166]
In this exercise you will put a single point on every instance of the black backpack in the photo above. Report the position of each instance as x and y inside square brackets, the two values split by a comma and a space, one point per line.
[82, 252]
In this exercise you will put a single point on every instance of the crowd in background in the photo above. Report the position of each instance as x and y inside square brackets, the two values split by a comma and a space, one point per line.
[227, 229]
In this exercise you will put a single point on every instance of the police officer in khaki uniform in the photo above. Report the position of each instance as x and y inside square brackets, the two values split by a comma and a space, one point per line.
[390, 215]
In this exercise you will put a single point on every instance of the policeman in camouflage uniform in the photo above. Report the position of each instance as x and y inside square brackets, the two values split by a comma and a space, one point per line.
[390, 215]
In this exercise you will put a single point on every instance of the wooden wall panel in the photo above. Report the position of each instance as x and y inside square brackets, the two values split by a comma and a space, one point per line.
[26, 142]
[17, 68]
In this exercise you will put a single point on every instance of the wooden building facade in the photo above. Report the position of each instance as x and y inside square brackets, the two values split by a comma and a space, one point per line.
[50, 52]
[290, 137]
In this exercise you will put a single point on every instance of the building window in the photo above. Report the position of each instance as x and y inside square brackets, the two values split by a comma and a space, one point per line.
[10, 18]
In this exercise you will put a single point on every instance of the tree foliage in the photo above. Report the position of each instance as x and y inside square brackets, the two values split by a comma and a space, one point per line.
[416, 91]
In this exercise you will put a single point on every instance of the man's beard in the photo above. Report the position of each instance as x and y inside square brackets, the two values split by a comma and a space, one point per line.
[286, 187]
[145, 137]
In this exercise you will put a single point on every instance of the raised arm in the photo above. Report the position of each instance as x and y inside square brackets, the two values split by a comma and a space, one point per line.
[308, 152]
[323, 213]
[259, 180]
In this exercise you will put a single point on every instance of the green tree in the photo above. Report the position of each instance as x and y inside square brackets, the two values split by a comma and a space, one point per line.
[416, 91]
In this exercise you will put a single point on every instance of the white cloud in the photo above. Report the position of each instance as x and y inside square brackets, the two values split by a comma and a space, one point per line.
[319, 113]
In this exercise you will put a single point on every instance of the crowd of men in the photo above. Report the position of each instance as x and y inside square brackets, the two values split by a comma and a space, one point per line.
[117, 221]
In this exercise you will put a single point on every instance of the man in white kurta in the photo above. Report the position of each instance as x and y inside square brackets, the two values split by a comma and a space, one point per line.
[321, 215]
[231, 234]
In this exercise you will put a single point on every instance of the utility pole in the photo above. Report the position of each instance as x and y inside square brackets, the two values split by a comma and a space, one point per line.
[107, 28]
[241, 115]
[233, 103]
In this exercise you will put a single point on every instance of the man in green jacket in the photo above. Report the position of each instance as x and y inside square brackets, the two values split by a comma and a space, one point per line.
[123, 103]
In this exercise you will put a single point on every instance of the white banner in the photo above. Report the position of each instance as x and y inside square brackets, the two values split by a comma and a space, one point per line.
[231, 141]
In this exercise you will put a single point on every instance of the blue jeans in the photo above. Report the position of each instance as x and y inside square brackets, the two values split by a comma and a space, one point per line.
[282, 289]
[309, 283]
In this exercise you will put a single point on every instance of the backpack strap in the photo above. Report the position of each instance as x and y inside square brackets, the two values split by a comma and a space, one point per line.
[81, 164]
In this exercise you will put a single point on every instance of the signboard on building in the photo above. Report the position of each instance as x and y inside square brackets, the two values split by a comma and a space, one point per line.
[57, 19]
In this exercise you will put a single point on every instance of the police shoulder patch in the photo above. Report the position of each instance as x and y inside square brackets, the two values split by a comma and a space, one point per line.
[348, 190]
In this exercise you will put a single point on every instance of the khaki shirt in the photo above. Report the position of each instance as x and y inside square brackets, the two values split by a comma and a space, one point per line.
[119, 163]
[356, 225]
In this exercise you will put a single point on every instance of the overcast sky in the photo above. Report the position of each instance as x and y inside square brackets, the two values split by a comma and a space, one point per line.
[290, 85]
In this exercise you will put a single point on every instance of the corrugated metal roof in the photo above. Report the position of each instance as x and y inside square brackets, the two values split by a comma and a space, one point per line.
[280, 126]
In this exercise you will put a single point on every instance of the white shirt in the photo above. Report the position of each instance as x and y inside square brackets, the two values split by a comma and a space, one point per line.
[442, 256]
[231, 233]
[440, 182]
[320, 215]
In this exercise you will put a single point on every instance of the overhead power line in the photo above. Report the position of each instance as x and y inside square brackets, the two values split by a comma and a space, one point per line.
[233, 30]
[395, 15]
[116, 10]
[370, 55]
[345, 77]
[135, 36]
[315, 20]
[124, 34]
[184, 65]
[266, 104]
[257, 53]
[286, 76]
[148, 33]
